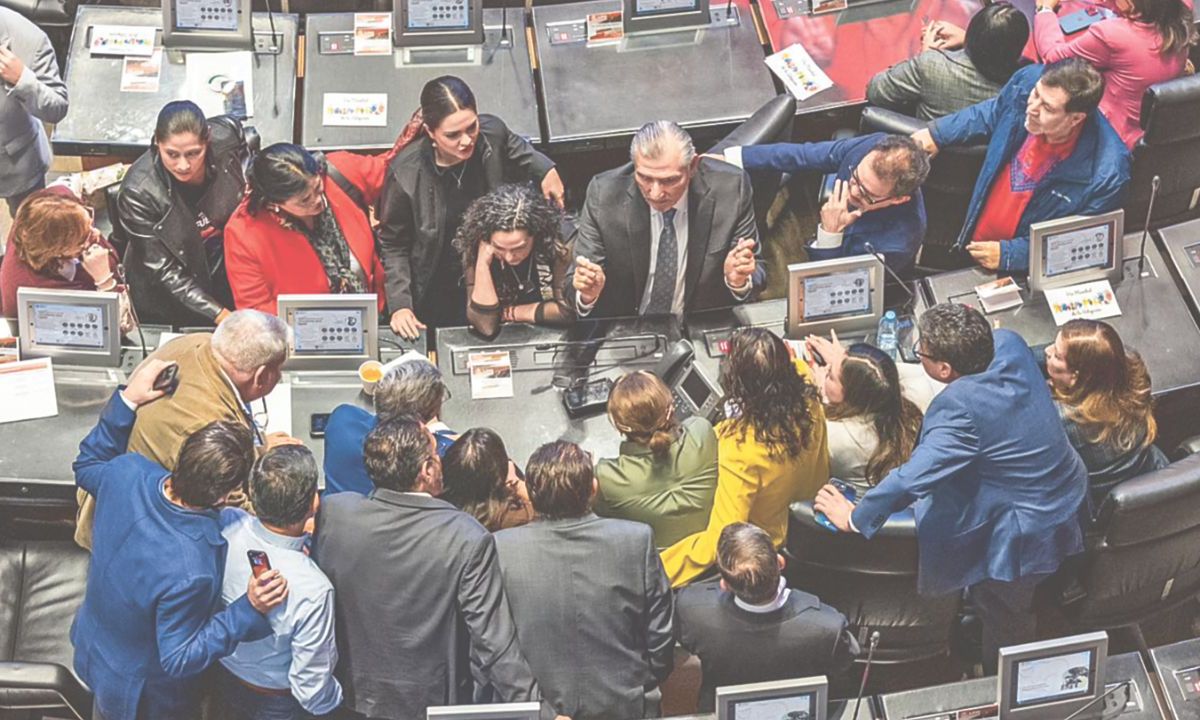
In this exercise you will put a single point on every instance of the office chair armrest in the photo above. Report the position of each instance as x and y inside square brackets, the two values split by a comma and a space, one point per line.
[877, 119]
[1190, 446]
[31, 684]
[253, 139]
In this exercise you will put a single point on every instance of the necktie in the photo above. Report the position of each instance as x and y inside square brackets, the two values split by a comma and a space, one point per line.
[662, 292]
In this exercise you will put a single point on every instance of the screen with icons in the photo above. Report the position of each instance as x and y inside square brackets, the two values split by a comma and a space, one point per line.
[438, 15]
[1189, 683]
[791, 707]
[328, 332]
[1054, 678]
[1081, 249]
[68, 325]
[206, 14]
[655, 7]
[837, 294]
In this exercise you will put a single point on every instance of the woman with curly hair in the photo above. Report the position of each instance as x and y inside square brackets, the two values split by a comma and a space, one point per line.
[772, 450]
[1103, 396]
[514, 260]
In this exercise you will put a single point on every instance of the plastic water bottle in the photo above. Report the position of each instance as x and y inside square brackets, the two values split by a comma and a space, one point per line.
[885, 339]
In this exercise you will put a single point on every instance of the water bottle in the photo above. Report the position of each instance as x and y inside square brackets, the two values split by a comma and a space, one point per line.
[886, 339]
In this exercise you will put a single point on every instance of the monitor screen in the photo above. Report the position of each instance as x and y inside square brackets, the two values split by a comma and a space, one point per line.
[1053, 678]
[659, 7]
[694, 387]
[67, 325]
[1080, 249]
[206, 15]
[789, 707]
[438, 15]
[838, 294]
[328, 331]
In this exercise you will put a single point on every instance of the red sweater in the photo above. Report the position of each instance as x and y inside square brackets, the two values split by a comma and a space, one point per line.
[264, 259]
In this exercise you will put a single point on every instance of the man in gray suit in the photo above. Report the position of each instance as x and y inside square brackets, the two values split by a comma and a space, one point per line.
[667, 233]
[589, 596]
[410, 572]
[32, 92]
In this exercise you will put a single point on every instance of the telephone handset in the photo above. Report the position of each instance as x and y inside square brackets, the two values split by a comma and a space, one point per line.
[695, 393]
[674, 360]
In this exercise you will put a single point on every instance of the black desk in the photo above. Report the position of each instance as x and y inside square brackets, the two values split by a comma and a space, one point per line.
[502, 82]
[545, 360]
[709, 327]
[923, 702]
[699, 78]
[105, 121]
[838, 710]
[1178, 668]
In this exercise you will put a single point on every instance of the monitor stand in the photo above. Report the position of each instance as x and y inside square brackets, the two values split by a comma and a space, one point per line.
[449, 55]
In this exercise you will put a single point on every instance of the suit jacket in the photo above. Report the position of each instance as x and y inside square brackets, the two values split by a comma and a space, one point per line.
[203, 396]
[804, 637]
[999, 490]
[39, 96]
[614, 231]
[418, 591]
[932, 84]
[147, 627]
[593, 612]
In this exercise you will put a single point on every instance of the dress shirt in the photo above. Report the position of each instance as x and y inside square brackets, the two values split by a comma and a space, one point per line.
[826, 240]
[301, 652]
[781, 598]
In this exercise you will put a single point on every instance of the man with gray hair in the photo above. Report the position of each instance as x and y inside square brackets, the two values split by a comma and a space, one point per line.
[666, 233]
[220, 375]
[413, 387]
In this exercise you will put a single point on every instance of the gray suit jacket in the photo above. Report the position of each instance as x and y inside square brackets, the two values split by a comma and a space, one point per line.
[932, 84]
[418, 588]
[593, 610]
[614, 231]
[40, 95]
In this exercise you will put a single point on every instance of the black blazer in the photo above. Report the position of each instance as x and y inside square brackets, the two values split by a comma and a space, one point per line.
[411, 210]
[614, 231]
[411, 573]
[802, 638]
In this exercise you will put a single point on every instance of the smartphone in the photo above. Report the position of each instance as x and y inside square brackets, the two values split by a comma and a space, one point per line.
[317, 423]
[848, 492]
[259, 562]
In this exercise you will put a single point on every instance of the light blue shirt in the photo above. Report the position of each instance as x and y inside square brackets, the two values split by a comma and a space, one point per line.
[301, 653]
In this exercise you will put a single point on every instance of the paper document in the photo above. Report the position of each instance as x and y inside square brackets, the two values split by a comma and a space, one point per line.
[1093, 300]
[279, 410]
[800, 75]
[141, 74]
[372, 33]
[354, 109]
[604, 28]
[491, 374]
[28, 390]
[122, 40]
[999, 294]
[221, 83]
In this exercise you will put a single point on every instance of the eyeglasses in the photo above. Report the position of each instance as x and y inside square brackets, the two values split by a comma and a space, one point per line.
[862, 189]
[916, 349]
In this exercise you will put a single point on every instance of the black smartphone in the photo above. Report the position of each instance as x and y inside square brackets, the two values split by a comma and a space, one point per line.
[259, 562]
[168, 379]
[317, 423]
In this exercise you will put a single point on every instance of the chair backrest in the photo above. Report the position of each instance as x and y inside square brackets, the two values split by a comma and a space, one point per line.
[1168, 149]
[873, 582]
[1144, 553]
[41, 587]
[769, 124]
[116, 234]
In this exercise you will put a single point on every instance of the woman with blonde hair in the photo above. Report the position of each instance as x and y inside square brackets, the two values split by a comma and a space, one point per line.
[666, 473]
[1103, 396]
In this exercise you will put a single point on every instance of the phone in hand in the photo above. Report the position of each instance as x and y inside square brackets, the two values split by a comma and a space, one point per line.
[259, 562]
[848, 492]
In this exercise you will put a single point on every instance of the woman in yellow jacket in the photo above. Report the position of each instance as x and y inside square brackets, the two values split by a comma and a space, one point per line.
[772, 451]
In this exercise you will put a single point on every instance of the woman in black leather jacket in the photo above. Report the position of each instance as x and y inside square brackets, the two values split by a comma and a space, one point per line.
[457, 156]
[172, 209]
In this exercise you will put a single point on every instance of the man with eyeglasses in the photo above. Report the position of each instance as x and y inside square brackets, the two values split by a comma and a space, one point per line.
[666, 233]
[999, 493]
[876, 204]
[1051, 154]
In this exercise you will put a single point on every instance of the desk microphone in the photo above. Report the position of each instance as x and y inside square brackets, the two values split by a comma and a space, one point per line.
[866, 673]
[505, 40]
[892, 273]
[1120, 686]
[1146, 227]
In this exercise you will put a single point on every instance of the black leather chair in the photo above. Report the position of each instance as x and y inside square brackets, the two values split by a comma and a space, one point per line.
[874, 583]
[769, 124]
[41, 586]
[1143, 554]
[1169, 150]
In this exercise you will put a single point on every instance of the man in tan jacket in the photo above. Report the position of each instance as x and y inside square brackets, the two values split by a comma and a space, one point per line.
[220, 375]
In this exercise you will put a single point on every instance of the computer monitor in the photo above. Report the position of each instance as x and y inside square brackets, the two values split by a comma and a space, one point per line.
[75, 327]
[1076, 249]
[646, 16]
[200, 25]
[330, 332]
[843, 294]
[505, 711]
[1051, 679]
[443, 23]
[799, 699]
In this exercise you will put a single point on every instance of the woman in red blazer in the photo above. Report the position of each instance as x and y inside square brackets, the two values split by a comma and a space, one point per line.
[298, 231]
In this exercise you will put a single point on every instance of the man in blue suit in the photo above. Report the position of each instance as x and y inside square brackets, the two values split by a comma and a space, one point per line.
[147, 626]
[999, 492]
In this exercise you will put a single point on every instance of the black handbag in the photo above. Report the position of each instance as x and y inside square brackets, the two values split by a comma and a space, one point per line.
[42, 12]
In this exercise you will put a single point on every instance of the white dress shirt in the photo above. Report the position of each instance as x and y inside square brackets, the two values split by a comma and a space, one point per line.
[301, 653]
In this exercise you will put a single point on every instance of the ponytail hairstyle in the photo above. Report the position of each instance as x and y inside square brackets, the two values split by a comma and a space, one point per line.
[440, 98]
[178, 117]
[642, 409]
[280, 172]
[871, 387]
[1172, 19]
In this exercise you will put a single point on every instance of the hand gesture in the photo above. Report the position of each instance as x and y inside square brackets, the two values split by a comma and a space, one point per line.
[740, 263]
[924, 138]
[831, 350]
[1048, 4]
[836, 214]
[987, 254]
[552, 187]
[267, 592]
[405, 324]
[140, 389]
[11, 66]
[95, 262]
[484, 257]
[836, 507]
[588, 280]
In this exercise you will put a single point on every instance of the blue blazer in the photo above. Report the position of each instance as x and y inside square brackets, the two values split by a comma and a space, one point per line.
[1092, 180]
[345, 434]
[895, 231]
[1000, 493]
[148, 625]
